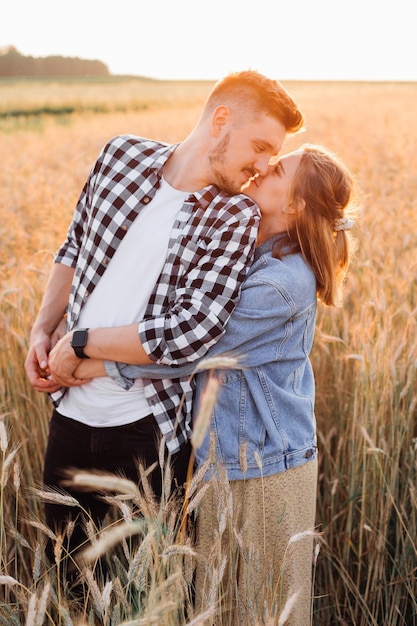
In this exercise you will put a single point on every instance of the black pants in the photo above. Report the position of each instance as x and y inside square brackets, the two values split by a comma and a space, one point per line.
[117, 450]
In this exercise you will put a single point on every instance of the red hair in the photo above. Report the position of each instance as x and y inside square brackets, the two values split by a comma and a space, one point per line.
[254, 93]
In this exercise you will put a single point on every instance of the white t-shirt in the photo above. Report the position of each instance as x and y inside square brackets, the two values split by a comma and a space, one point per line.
[120, 298]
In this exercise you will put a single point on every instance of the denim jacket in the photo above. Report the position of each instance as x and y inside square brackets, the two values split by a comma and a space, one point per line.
[263, 421]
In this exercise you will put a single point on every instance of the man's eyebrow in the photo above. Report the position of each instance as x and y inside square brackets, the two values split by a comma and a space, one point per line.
[268, 145]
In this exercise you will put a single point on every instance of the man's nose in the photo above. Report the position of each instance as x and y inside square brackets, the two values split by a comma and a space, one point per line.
[262, 163]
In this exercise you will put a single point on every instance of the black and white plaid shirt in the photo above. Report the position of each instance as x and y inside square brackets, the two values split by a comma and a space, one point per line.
[210, 248]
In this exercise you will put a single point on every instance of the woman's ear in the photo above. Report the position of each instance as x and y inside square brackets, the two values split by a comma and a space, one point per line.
[219, 119]
[298, 205]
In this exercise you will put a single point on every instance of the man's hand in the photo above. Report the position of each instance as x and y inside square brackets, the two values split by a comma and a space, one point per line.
[63, 362]
[36, 364]
[48, 328]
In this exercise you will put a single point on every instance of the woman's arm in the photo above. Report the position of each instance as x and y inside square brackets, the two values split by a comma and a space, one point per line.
[125, 374]
[90, 368]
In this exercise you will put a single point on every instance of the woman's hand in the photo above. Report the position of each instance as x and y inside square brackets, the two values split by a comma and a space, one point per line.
[36, 364]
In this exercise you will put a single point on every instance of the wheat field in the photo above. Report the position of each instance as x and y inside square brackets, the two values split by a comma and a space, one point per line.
[364, 357]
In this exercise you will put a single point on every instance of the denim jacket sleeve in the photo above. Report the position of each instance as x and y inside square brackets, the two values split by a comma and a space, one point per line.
[124, 375]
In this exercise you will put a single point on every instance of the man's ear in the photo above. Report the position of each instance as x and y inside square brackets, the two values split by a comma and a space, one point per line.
[219, 119]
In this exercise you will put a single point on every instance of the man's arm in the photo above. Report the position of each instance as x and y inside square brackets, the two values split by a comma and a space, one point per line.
[50, 315]
[48, 327]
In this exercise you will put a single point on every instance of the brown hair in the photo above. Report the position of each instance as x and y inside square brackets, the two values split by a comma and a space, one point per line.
[328, 190]
[249, 92]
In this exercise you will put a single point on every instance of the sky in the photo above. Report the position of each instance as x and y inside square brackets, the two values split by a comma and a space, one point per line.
[190, 39]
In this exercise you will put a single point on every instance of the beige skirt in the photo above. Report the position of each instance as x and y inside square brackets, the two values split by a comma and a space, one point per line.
[255, 548]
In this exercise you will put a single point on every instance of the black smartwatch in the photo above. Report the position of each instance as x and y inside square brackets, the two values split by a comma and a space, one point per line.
[79, 341]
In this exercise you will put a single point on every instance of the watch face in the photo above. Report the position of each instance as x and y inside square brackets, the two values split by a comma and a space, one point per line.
[79, 339]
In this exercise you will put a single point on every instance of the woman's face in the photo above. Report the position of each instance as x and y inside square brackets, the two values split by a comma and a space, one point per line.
[270, 192]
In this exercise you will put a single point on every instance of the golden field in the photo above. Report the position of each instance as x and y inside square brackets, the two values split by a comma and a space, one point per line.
[365, 354]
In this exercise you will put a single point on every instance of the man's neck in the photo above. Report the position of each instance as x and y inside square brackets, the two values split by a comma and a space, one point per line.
[183, 170]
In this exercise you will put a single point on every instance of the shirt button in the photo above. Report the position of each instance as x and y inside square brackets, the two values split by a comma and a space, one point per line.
[105, 261]
[123, 227]
[146, 200]
[308, 454]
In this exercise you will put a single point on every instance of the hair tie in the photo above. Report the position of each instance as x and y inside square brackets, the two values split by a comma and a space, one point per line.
[343, 223]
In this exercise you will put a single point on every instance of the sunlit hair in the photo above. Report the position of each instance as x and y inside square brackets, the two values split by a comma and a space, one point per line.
[249, 93]
[329, 191]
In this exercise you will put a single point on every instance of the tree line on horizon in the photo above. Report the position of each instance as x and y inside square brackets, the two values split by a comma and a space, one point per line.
[13, 63]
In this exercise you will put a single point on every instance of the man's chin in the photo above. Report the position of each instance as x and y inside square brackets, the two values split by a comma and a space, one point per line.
[230, 187]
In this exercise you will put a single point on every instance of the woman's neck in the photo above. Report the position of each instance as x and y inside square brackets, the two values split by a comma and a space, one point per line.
[270, 227]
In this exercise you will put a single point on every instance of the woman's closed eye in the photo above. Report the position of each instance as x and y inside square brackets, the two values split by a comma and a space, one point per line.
[278, 169]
